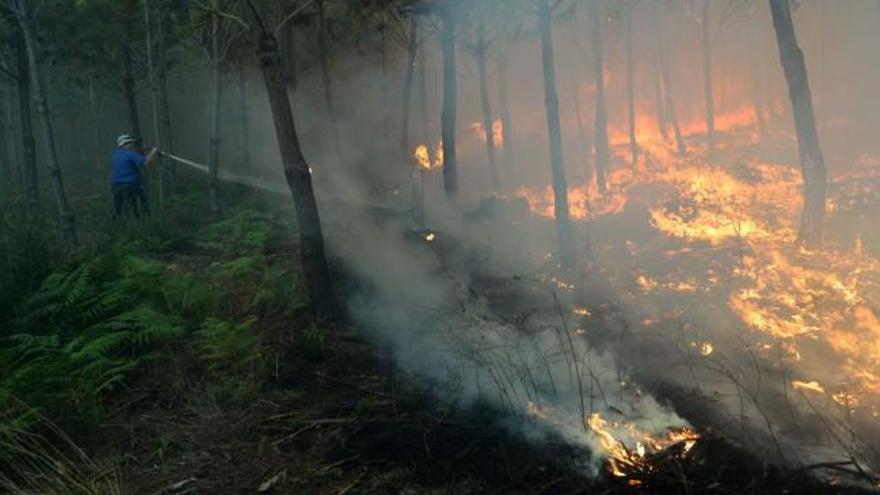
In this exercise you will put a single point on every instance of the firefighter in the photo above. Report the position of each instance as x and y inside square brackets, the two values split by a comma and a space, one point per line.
[128, 166]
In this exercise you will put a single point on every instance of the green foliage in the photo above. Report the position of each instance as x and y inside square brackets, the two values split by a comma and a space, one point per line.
[312, 342]
[27, 249]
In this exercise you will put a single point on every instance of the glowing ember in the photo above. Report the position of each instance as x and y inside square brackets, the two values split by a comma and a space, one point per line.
[811, 386]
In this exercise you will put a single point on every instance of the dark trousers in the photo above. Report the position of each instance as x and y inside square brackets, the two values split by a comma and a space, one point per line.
[131, 196]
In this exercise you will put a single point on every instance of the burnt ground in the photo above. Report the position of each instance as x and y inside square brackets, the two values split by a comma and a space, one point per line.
[350, 424]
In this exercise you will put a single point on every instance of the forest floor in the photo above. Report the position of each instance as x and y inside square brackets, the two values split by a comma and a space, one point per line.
[328, 412]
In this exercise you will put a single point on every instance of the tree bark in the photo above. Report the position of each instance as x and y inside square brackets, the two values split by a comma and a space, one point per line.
[564, 233]
[324, 63]
[447, 119]
[486, 104]
[154, 96]
[243, 114]
[68, 222]
[299, 180]
[214, 140]
[630, 90]
[167, 138]
[707, 79]
[658, 99]
[424, 112]
[288, 44]
[408, 78]
[810, 155]
[128, 86]
[28, 143]
[504, 104]
[601, 126]
[669, 102]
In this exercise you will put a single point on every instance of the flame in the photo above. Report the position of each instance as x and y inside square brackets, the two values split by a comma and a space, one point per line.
[811, 386]
[422, 156]
[497, 132]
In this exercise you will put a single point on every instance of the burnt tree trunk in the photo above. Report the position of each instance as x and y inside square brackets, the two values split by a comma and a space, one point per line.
[669, 99]
[326, 82]
[504, 106]
[412, 50]
[424, 112]
[809, 151]
[68, 222]
[601, 125]
[485, 103]
[128, 87]
[631, 90]
[447, 118]
[299, 180]
[564, 233]
[658, 100]
[28, 144]
[707, 79]
[214, 140]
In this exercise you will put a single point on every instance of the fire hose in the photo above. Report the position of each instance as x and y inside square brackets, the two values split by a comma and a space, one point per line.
[229, 176]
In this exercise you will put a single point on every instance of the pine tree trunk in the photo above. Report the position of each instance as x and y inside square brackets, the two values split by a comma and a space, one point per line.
[93, 117]
[707, 79]
[564, 233]
[214, 140]
[408, 78]
[504, 104]
[154, 96]
[299, 179]
[322, 54]
[659, 100]
[28, 143]
[669, 102]
[243, 115]
[601, 126]
[631, 90]
[68, 223]
[130, 94]
[486, 104]
[167, 137]
[447, 119]
[810, 155]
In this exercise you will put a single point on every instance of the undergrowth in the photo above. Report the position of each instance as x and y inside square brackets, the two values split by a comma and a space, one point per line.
[81, 329]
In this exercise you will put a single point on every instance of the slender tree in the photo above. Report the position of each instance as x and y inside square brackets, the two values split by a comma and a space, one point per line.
[504, 106]
[298, 174]
[630, 88]
[28, 143]
[24, 17]
[167, 136]
[324, 63]
[130, 91]
[214, 140]
[705, 20]
[485, 102]
[243, 114]
[601, 125]
[564, 233]
[810, 155]
[447, 118]
[412, 50]
[668, 93]
[154, 93]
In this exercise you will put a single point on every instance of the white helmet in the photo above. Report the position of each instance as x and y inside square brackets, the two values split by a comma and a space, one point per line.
[124, 139]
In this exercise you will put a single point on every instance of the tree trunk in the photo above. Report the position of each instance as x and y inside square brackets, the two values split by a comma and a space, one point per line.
[154, 95]
[130, 94]
[669, 103]
[601, 126]
[214, 141]
[8, 175]
[299, 180]
[658, 99]
[586, 147]
[486, 104]
[504, 104]
[28, 144]
[68, 223]
[564, 233]
[167, 137]
[243, 115]
[447, 119]
[408, 78]
[322, 57]
[707, 79]
[288, 42]
[809, 152]
[631, 90]
[93, 117]
[14, 139]
[424, 112]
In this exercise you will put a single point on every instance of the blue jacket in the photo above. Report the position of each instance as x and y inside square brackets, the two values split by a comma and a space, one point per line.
[127, 166]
